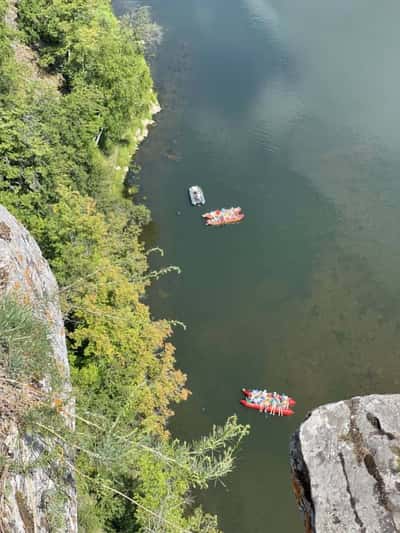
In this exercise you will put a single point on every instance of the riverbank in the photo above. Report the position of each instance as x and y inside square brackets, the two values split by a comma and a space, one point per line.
[118, 162]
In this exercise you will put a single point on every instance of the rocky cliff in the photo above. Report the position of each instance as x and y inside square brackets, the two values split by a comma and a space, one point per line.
[27, 498]
[345, 461]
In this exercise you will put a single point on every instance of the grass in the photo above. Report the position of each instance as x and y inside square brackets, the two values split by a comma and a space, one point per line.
[25, 349]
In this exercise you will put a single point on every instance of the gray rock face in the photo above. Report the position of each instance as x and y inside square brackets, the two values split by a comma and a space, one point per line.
[25, 499]
[345, 460]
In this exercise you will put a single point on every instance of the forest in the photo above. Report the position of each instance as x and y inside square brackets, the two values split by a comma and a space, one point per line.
[74, 89]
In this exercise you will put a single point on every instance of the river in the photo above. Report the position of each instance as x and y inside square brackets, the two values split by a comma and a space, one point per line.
[290, 110]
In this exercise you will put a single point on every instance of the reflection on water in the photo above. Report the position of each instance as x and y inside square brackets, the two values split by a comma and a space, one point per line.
[289, 109]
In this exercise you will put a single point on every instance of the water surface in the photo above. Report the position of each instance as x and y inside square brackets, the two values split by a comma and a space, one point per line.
[290, 110]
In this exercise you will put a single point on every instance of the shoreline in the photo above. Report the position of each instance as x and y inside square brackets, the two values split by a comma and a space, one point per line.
[143, 131]
[122, 156]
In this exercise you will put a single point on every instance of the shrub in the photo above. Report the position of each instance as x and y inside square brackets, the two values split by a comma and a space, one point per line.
[25, 349]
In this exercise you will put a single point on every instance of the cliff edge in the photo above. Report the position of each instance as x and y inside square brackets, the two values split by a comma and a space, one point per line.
[345, 460]
[28, 497]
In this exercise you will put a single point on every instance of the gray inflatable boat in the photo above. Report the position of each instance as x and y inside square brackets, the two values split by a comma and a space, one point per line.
[196, 195]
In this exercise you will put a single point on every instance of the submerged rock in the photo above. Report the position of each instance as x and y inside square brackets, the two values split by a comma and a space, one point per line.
[345, 460]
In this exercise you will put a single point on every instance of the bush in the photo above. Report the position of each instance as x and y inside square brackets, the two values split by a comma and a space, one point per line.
[25, 349]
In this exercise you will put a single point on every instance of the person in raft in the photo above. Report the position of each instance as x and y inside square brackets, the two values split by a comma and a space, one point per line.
[266, 403]
[257, 396]
[285, 401]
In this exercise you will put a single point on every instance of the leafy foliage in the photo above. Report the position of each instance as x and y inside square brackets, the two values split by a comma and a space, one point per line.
[85, 43]
[57, 176]
[146, 32]
[6, 63]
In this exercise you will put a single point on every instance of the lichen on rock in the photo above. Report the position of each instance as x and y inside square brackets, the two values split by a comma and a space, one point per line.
[24, 495]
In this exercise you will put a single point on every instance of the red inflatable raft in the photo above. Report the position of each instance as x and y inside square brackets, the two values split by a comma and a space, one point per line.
[269, 409]
[264, 407]
[222, 221]
[219, 212]
[248, 393]
[220, 217]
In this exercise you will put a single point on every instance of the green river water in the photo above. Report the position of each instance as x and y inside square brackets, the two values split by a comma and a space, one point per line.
[290, 110]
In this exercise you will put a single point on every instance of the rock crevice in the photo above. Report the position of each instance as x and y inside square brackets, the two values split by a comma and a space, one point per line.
[25, 274]
[345, 462]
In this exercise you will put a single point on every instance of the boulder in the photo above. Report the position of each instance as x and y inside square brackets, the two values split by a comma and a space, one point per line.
[345, 461]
